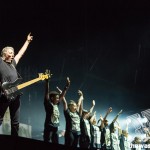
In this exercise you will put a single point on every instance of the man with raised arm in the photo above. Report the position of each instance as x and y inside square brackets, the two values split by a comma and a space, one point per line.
[9, 74]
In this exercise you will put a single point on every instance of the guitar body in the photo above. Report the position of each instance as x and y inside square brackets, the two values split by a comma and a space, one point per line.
[10, 90]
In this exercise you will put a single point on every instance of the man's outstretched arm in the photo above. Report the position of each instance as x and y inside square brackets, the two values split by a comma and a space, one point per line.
[24, 48]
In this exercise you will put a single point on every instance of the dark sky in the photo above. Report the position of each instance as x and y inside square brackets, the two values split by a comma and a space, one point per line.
[104, 47]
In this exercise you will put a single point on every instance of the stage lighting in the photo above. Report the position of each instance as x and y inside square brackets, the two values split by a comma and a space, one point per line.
[128, 120]
[144, 120]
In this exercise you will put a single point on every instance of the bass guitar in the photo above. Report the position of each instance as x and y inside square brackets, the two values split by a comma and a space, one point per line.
[12, 89]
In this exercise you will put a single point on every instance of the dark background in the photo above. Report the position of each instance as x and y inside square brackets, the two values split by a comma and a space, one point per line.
[103, 46]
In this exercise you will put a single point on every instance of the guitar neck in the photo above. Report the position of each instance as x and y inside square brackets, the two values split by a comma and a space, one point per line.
[28, 83]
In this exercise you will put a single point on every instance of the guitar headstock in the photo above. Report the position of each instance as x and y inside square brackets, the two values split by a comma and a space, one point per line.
[45, 75]
[48, 73]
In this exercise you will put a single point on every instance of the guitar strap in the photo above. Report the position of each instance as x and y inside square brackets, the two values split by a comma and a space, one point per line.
[16, 71]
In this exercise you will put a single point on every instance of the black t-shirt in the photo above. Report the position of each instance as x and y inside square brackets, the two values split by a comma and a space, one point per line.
[72, 121]
[8, 71]
[52, 113]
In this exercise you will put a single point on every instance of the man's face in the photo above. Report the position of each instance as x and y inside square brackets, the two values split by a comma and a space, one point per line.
[9, 55]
